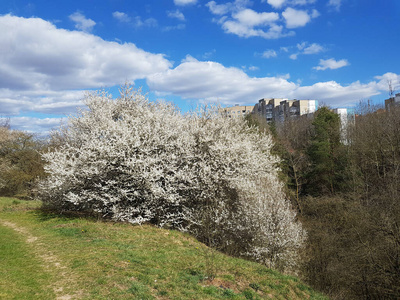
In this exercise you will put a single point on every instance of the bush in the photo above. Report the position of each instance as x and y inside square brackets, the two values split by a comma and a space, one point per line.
[20, 163]
[132, 160]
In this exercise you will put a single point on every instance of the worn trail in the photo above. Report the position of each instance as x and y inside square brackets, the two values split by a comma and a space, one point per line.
[50, 262]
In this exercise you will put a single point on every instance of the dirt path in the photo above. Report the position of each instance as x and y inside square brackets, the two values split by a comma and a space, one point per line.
[50, 261]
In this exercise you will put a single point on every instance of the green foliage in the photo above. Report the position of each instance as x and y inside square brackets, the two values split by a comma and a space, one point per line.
[327, 154]
[20, 163]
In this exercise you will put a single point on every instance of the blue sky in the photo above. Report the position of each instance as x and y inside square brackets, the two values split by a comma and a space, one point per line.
[193, 52]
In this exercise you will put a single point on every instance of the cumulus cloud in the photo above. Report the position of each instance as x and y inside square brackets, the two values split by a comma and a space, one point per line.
[13, 102]
[184, 2]
[335, 94]
[387, 78]
[251, 18]
[138, 22]
[218, 9]
[81, 22]
[331, 64]
[228, 7]
[295, 18]
[176, 14]
[246, 23]
[313, 49]
[269, 53]
[236, 18]
[280, 3]
[41, 66]
[253, 68]
[213, 82]
[273, 32]
[276, 3]
[306, 49]
[35, 125]
[121, 16]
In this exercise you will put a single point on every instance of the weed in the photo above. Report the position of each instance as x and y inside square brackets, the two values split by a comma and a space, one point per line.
[255, 286]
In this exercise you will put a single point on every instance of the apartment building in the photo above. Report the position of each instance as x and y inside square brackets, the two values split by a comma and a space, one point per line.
[347, 117]
[392, 101]
[238, 110]
[279, 109]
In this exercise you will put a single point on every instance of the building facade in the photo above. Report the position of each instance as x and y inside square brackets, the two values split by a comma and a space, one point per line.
[279, 109]
[238, 110]
[392, 101]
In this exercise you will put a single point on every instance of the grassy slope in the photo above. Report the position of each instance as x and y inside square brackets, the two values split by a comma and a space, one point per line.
[46, 256]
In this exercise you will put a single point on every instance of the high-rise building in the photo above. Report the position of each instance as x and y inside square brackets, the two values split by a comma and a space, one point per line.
[279, 109]
[238, 110]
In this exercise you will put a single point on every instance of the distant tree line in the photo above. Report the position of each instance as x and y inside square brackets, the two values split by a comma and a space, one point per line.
[21, 165]
[347, 195]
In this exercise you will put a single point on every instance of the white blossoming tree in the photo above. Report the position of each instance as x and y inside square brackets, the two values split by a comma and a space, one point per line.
[132, 160]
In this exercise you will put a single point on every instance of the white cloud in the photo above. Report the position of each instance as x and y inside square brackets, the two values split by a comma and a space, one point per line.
[121, 16]
[284, 49]
[81, 23]
[251, 18]
[13, 102]
[295, 18]
[253, 68]
[313, 49]
[176, 27]
[228, 7]
[301, 2]
[335, 94]
[35, 125]
[184, 2]
[331, 64]
[306, 49]
[276, 3]
[213, 82]
[136, 21]
[42, 67]
[384, 80]
[269, 53]
[335, 4]
[236, 18]
[301, 46]
[150, 22]
[280, 3]
[218, 9]
[249, 23]
[176, 14]
[273, 32]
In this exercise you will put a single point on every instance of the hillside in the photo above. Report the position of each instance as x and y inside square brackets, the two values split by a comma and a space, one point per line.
[44, 256]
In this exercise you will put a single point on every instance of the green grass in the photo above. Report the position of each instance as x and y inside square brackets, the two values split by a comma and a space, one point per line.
[90, 259]
[22, 276]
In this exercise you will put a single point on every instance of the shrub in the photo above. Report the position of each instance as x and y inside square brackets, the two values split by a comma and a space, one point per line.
[132, 160]
[20, 163]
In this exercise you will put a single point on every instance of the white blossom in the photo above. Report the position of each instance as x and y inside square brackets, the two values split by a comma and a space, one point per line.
[133, 160]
